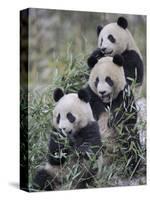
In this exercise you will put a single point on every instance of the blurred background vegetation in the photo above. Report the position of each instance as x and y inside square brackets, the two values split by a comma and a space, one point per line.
[59, 44]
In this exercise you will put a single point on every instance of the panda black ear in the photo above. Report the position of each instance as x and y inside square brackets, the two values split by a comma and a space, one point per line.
[99, 28]
[83, 95]
[118, 60]
[58, 94]
[122, 22]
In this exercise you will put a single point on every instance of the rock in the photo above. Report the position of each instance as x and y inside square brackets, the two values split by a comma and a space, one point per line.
[141, 121]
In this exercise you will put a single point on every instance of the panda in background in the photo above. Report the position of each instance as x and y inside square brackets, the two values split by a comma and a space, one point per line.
[75, 136]
[115, 38]
[111, 98]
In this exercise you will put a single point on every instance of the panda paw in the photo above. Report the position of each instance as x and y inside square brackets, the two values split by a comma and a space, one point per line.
[91, 61]
[84, 147]
[94, 57]
[85, 150]
[41, 180]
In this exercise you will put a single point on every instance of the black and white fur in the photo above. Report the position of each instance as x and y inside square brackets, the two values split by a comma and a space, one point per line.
[111, 98]
[115, 38]
[73, 121]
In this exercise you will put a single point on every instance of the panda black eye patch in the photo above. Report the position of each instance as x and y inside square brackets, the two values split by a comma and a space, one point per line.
[70, 117]
[58, 118]
[96, 82]
[109, 81]
[111, 38]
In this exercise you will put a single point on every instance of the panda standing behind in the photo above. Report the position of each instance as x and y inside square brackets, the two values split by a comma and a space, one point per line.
[74, 141]
[115, 38]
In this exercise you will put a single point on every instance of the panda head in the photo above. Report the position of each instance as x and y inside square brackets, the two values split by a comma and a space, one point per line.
[113, 38]
[107, 78]
[72, 111]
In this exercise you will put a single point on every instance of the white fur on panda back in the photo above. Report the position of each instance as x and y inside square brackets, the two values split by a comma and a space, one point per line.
[132, 45]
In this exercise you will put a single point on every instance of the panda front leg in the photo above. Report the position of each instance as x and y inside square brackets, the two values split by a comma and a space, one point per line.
[48, 176]
[133, 67]
[94, 57]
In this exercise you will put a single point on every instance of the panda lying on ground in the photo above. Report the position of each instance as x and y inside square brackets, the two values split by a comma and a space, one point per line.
[75, 134]
[115, 38]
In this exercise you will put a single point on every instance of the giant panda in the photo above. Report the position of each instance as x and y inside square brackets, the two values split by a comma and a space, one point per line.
[113, 105]
[74, 143]
[115, 38]
[109, 91]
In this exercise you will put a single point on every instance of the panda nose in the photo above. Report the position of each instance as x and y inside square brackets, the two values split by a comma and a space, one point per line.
[103, 50]
[102, 92]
